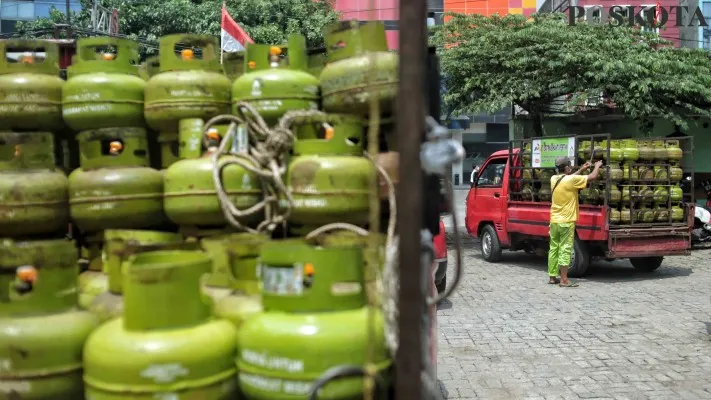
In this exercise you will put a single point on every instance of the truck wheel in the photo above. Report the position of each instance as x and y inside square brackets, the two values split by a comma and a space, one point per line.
[580, 259]
[490, 245]
[646, 264]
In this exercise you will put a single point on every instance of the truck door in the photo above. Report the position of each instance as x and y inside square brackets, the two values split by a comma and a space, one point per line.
[487, 200]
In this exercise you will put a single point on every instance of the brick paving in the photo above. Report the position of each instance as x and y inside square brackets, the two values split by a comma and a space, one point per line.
[506, 334]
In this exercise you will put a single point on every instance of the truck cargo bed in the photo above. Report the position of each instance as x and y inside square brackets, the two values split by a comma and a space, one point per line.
[618, 241]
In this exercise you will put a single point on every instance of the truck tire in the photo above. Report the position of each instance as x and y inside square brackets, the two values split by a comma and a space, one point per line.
[580, 259]
[646, 264]
[490, 245]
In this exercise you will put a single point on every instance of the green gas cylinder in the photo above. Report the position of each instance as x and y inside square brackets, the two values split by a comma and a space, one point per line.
[31, 95]
[115, 188]
[190, 85]
[233, 64]
[166, 345]
[373, 254]
[119, 245]
[314, 319]
[329, 178]
[33, 192]
[676, 193]
[152, 66]
[349, 79]
[93, 281]
[190, 198]
[273, 88]
[674, 151]
[103, 89]
[233, 283]
[615, 216]
[677, 214]
[41, 331]
[317, 62]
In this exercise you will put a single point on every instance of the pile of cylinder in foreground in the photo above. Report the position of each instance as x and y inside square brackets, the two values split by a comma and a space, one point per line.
[121, 274]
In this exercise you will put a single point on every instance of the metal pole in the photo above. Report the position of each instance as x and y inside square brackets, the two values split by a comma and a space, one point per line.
[410, 128]
[69, 19]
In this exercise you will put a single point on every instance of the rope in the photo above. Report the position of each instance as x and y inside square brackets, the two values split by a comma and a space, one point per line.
[338, 225]
[265, 157]
[374, 225]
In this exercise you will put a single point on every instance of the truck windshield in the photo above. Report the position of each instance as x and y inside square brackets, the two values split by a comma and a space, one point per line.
[493, 173]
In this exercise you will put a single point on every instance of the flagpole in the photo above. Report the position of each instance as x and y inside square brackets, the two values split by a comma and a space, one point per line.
[222, 45]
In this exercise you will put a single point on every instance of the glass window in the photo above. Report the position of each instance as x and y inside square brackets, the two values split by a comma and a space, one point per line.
[18, 9]
[493, 174]
[42, 9]
[707, 29]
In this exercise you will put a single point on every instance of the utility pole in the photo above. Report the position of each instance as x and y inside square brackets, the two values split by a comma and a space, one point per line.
[103, 20]
[410, 122]
[69, 18]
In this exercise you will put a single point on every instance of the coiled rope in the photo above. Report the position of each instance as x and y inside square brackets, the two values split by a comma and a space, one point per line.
[265, 157]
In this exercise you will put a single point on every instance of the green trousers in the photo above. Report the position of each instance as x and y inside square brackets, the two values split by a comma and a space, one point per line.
[561, 246]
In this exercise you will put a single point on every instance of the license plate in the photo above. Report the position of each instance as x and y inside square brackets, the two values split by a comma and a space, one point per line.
[283, 281]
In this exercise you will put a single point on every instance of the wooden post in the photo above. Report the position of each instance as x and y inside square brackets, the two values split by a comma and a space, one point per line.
[410, 127]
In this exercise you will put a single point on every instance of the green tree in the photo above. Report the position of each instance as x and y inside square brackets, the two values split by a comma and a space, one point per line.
[493, 62]
[266, 21]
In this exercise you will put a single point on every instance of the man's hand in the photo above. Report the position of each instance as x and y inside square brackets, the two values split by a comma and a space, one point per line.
[593, 174]
[583, 168]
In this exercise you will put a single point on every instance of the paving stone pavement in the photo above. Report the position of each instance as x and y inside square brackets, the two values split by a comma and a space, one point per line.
[507, 334]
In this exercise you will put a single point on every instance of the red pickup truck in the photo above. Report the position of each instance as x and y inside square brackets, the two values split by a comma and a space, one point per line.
[503, 223]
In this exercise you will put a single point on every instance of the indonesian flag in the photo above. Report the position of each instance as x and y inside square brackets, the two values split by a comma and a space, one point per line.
[234, 38]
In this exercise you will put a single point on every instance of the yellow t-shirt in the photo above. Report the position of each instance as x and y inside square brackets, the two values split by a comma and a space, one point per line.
[564, 205]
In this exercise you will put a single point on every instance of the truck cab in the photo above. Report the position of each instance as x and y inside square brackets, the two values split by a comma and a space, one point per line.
[502, 219]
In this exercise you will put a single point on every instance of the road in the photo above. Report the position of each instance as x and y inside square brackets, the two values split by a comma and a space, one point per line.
[507, 334]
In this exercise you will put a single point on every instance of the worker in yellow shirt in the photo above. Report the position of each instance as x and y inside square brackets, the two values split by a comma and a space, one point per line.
[564, 214]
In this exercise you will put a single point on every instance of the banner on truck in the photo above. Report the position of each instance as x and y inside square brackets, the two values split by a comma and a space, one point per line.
[545, 151]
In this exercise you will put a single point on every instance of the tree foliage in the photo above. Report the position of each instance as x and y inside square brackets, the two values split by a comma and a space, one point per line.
[266, 21]
[492, 62]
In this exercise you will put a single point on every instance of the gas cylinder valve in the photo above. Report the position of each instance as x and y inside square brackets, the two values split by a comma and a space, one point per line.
[309, 275]
[213, 140]
[25, 278]
[439, 151]
[115, 148]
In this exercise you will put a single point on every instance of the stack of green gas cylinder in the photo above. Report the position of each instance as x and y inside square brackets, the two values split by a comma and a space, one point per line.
[644, 179]
[42, 330]
[173, 301]
[640, 179]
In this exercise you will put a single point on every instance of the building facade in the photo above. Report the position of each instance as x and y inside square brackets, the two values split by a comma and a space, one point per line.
[704, 38]
[14, 11]
[491, 7]
[669, 31]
